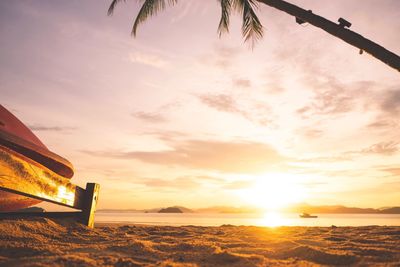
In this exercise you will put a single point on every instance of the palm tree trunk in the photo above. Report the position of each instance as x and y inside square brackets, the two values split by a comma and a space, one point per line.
[339, 31]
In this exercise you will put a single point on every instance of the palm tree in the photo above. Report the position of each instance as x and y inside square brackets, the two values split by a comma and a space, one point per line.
[252, 29]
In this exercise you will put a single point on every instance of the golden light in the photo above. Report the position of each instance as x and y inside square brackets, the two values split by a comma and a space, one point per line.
[64, 195]
[273, 219]
[274, 191]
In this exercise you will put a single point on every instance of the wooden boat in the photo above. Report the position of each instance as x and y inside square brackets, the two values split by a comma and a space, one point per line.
[26, 163]
[307, 216]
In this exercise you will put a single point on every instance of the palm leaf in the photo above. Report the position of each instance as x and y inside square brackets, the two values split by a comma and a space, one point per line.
[226, 7]
[149, 8]
[252, 28]
[112, 6]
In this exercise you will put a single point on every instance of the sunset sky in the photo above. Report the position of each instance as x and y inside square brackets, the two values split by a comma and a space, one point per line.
[178, 116]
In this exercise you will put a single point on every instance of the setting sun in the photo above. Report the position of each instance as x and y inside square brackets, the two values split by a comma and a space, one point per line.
[199, 133]
[274, 191]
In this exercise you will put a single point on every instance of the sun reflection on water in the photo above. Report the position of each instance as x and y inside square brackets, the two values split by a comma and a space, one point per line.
[273, 219]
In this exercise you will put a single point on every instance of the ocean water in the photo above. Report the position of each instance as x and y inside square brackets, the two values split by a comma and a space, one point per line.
[268, 219]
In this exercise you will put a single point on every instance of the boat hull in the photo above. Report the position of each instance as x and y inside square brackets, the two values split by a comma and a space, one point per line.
[21, 175]
[19, 138]
[12, 202]
[28, 166]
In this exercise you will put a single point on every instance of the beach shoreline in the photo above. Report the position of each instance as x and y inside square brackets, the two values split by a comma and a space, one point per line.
[44, 242]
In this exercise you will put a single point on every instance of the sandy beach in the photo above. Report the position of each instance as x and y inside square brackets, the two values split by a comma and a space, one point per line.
[44, 242]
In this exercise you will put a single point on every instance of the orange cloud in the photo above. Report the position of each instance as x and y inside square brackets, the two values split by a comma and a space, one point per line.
[230, 157]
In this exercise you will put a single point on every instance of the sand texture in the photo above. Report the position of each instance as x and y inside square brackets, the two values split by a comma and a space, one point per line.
[45, 242]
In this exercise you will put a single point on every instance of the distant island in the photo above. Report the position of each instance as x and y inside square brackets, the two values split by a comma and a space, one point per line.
[300, 208]
[170, 210]
[338, 209]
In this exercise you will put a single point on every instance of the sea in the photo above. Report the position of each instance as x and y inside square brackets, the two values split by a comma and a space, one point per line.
[270, 219]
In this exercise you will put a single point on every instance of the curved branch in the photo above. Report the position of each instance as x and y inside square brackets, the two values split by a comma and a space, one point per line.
[338, 31]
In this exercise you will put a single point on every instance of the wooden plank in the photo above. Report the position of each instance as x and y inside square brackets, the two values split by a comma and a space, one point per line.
[52, 215]
[19, 174]
[91, 199]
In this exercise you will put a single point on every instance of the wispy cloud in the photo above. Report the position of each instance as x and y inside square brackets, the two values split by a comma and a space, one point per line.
[221, 57]
[325, 159]
[167, 136]
[387, 105]
[159, 115]
[37, 128]
[333, 97]
[383, 148]
[391, 102]
[150, 117]
[184, 182]
[311, 132]
[152, 60]
[188, 182]
[386, 148]
[240, 184]
[383, 123]
[223, 156]
[395, 171]
[245, 83]
[257, 113]
[221, 102]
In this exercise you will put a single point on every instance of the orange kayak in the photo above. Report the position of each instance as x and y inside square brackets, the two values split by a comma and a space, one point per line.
[17, 140]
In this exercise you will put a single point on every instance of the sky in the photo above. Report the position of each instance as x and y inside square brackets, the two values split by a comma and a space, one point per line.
[179, 116]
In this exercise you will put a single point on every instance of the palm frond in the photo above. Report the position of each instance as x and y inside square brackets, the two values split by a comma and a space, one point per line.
[150, 8]
[112, 6]
[226, 7]
[252, 28]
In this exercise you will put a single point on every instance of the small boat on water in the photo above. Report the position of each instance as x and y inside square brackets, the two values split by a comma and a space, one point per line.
[307, 215]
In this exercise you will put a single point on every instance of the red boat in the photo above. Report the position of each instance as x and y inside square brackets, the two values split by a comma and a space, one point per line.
[22, 156]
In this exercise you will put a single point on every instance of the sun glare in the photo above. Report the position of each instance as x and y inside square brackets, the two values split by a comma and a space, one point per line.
[273, 219]
[272, 192]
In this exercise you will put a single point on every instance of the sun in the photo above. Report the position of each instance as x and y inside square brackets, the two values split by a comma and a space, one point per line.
[274, 191]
